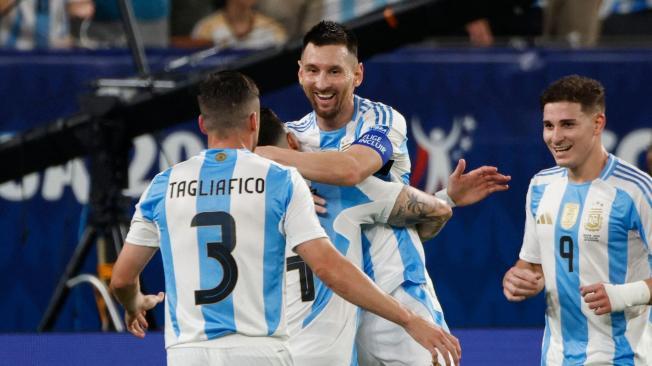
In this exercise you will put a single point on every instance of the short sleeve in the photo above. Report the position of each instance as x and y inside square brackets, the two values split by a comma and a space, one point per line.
[143, 229]
[530, 249]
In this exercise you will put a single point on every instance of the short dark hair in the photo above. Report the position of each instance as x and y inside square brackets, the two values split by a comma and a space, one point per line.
[328, 32]
[272, 129]
[589, 93]
[224, 100]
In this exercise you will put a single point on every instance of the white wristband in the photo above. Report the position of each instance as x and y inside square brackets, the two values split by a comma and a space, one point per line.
[443, 195]
[628, 294]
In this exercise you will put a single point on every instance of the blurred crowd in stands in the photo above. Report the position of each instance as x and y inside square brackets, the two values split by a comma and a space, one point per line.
[256, 24]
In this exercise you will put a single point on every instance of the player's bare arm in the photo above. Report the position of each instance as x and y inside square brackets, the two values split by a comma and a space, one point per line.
[414, 207]
[522, 281]
[354, 286]
[125, 286]
[345, 168]
[605, 298]
[474, 186]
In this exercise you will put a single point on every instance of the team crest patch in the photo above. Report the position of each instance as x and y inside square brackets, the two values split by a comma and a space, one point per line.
[594, 219]
[220, 156]
[569, 215]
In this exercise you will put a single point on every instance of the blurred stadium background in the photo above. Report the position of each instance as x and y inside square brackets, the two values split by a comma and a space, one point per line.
[480, 104]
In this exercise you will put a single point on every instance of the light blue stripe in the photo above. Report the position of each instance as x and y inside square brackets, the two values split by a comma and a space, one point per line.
[574, 328]
[546, 343]
[322, 293]
[620, 222]
[377, 114]
[385, 121]
[413, 267]
[535, 198]
[276, 202]
[645, 181]
[339, 199]
[405, 178]
[368, 264]
[218, 317]
[391, 116]
[638, 184]
[330, 140]
[419, 294]
[156, 210]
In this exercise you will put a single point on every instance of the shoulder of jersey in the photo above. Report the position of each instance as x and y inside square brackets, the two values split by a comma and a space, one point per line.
[548, 175]
[377, 113]
[302, 125]
[628, 177]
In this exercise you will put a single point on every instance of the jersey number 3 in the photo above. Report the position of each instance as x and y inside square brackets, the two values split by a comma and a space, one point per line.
[221, 251]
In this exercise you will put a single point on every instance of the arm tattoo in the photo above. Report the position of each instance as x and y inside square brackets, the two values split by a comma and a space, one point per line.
[411, 210]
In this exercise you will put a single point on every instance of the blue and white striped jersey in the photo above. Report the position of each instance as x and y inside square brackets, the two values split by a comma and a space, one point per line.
[321, 324]
[222, 220]
[581, 234]
[367, 115]
[391, 256]
[37, 24]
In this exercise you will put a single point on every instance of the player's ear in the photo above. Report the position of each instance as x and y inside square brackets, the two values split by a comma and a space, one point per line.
[358, 74]
[299, 72]
[293, 141]
[202, 124]
[254, 122]
[600, 122]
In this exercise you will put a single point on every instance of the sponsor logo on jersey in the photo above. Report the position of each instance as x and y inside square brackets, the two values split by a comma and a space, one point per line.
[383, 129]
[569, 215]
[544, 219]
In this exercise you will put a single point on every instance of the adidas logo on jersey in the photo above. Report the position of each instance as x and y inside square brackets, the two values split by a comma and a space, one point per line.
[544, 219]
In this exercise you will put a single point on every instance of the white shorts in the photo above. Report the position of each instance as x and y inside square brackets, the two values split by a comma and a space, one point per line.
[273, 353]
[381, 342]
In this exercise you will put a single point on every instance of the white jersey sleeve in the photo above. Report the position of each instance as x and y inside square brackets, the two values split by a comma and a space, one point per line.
[383, 195]
[530, 249]
[143, 230]
[301, 223]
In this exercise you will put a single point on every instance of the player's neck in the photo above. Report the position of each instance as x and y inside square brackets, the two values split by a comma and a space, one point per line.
[233, 141]
[591, 168]
[338, 121]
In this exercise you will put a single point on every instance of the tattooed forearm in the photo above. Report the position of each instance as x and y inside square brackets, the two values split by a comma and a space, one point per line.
[415, 207]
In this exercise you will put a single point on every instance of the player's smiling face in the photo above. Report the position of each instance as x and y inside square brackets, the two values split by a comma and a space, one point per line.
[328, 75]
[572, 135]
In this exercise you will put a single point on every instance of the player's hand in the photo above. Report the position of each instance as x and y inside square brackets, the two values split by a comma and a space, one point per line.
[521, 283]
[469, 188]
[135, 320]
[320, 204]
[435, 340]
[596, 297]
